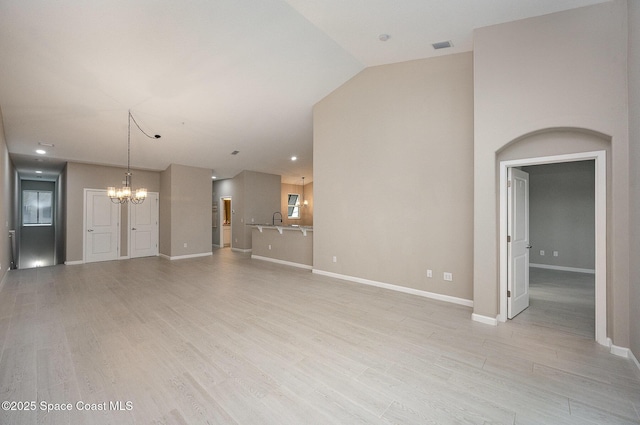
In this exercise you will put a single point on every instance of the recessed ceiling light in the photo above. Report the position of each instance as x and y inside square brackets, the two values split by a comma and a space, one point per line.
[384, 37]
[41, 151]
[38, 172]
[293, 158]
[213, 177]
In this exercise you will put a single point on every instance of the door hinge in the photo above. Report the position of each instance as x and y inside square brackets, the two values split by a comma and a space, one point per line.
[508, 183]
[509, 238]
[508, 294]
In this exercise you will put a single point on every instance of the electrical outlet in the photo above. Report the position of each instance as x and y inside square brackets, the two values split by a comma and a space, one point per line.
[555, 253]
[429, 273]
[335, 259]
[542, 252]
[185, 244]
[269, 247]
[447, 276]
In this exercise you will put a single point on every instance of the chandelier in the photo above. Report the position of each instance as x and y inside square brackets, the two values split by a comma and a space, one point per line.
[125, 193]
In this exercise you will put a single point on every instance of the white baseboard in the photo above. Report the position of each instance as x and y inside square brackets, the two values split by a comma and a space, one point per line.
[493, 321]
[241, 250]
[124, 257]
[622, 352]
[635, 359]
[73, 263]
[215, 245]
[426, 294]
[562, 268]
[619, 351]
[286, 263]
[183, 257]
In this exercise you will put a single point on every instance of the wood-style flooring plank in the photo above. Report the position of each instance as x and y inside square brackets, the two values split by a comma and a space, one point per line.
[226, 339]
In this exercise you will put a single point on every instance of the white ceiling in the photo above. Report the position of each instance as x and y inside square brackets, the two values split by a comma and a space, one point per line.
[210, 76]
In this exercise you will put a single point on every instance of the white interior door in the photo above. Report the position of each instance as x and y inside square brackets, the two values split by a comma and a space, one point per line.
[144, 227]
[101, 227]
[518, 242]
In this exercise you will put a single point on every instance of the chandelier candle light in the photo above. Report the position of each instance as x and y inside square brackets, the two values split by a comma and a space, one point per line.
[126, 194]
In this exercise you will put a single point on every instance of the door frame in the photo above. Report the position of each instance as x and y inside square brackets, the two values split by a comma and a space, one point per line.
[221, 221]
[600, 159]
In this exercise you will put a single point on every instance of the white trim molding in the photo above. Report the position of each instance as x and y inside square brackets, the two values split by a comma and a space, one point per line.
[73, 263]
[635, 359]
[562, 268]
[286, 263]
[426, 294]
[622, 352]
[183, 257]
[493, 321]
[241, 250]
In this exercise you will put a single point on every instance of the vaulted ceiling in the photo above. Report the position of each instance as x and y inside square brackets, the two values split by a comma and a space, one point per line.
[210, 76]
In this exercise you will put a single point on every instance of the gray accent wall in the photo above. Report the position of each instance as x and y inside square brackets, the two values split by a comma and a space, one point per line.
[562, 214]
[256, 196]
[393, 176]
[566, 70]
[7, 202]
[185, 211]
[634, 178]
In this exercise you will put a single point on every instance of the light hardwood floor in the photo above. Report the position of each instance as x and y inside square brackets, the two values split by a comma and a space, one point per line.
[562, 300]
[226, 339]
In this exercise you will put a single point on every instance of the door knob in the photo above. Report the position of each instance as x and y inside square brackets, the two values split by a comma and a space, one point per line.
[133, 228]
[529, 247]
[90, 230]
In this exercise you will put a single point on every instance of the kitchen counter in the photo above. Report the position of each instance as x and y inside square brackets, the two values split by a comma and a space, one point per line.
[290, 245]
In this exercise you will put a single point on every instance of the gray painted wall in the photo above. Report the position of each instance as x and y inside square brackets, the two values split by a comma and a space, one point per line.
[185, 211]
[562, 214]
[7, 202]
[634, 159]
[256, 196]
[393, 176]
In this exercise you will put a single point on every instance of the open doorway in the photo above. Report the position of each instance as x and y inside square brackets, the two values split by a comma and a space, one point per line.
[562, 247]
[598, 159]
[226, 214]
[38, 221]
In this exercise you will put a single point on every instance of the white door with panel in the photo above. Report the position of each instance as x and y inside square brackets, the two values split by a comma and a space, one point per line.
[144, 227]
[102, 227]
[518, 242]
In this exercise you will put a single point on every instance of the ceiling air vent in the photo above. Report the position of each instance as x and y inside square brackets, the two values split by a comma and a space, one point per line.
[442, 45]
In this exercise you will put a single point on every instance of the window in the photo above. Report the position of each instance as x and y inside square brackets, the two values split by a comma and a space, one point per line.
[37, 207]
[293, 206]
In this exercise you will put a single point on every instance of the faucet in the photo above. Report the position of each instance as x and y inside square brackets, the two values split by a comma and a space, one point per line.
[273, 219]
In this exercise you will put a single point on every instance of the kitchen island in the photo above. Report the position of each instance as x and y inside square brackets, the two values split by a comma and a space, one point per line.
[290, 245]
